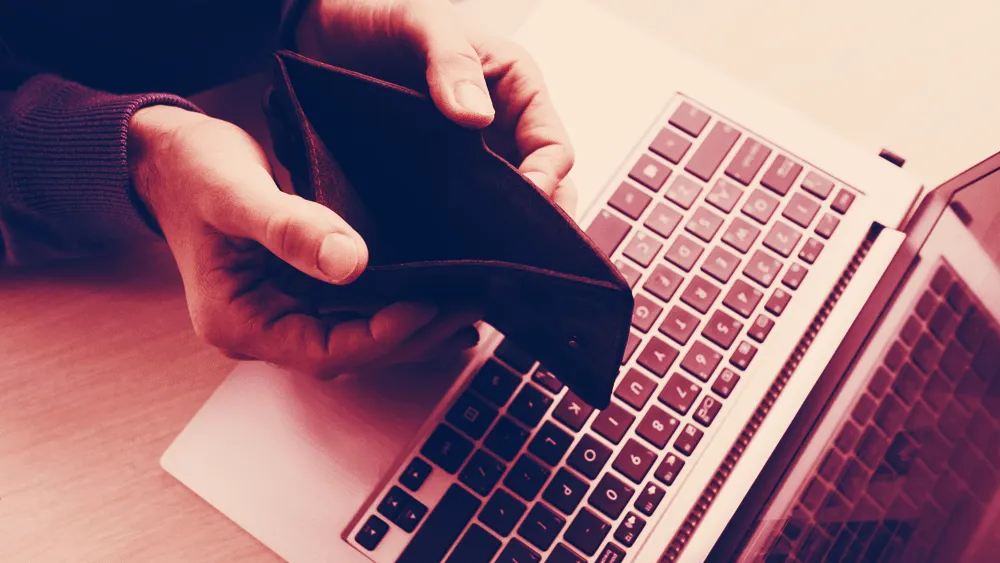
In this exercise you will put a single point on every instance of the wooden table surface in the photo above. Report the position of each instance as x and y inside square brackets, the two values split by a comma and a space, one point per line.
[99, 367]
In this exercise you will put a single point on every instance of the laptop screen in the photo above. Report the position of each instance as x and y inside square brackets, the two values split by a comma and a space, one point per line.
[903, 460]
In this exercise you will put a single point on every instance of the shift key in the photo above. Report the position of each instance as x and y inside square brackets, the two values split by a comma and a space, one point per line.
[607, 231]
[713, 151]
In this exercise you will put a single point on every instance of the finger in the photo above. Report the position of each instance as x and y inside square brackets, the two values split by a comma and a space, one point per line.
[566, 196]
[454, 72]
[446, 326]
[308, 235]
[459, 342]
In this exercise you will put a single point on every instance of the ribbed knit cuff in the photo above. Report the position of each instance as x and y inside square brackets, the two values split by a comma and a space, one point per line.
[66, 159]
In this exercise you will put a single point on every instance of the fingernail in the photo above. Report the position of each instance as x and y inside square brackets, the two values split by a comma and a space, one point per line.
[338, 257]
[473, 98]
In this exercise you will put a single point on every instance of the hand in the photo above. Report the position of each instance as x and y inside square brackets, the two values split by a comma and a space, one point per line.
[477, 81]
[210, 188]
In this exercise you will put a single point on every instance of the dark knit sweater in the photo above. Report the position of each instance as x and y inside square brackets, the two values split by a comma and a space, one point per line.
[71, 76]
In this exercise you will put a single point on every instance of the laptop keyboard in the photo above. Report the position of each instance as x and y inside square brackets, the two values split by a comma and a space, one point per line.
[715, 230]
[916, 464]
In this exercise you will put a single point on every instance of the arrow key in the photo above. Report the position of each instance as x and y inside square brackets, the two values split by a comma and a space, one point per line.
[372, 533]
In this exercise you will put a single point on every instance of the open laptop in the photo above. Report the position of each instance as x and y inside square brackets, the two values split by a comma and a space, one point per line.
[810, 374]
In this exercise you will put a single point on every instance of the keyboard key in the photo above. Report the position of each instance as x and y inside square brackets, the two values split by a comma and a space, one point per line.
[657, 427]
[642, 249]
[502, 512]
[526, 478]
[701, 361]
[517, 552]
[631, 344]
[760, 206]
[393, 502]
[506, 438]
[707, 410]
[530, 405]
[782, 239]
[741, 235]
[607, 232]
[589, 456]
[880, 382]
[689, 119]
[679, 325]
[476, 546]
[725, 383]
[613, 423]
[958, 298]
[649, 499]
[410, 515]
[713, 150]
[743, 355]
[572, 411]
[743, 298]
[722, 329]
[547, 379]
[748, 161]
[679, 393]
[471, 415]
[371, 534]
[611, 554]
[587, 532]
[842, 202]
[760, 328]
[565, 491]
[778, 302]
[684, 252]
[827, 225]
[663, 282]
[909, 382]
[446, 448]
[688, 439]
[635, 389]
[926, 353]
[562, 554]
[794, 276]
[482, 472]
[415, 475]
[810, 251]
[704, 224]
[611, 496]
[971, 332]
[669, 468]
[541, 527]
[781, 175]
[650, 172]
[663, 220]
[683, 191]
[645, 313]
[514, 357]
[926, 305]
[700, 294]
[442, 528]
[762, 268]
[724, 195]
[941, 280]
[495, 382]
[550, 443]
[630, 528]
[817, 185]
[670, 145]
[943, 322]
[657, 356]
[630, 200]
[721, 264]
[634, 461]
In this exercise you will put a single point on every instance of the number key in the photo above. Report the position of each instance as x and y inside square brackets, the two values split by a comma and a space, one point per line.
[701, 361]
[722, 329]
[657, 427]
[611, 496]
[634, 461]
[679, 393]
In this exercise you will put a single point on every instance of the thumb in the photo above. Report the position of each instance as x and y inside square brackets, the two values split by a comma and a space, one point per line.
[306, 234]
[454, 70]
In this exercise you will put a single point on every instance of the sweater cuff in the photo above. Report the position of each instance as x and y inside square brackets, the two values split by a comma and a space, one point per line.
[67, 160]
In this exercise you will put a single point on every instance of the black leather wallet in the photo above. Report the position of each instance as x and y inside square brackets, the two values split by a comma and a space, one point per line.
[446, 220]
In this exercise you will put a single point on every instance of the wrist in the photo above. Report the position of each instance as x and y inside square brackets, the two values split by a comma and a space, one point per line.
[151, 132]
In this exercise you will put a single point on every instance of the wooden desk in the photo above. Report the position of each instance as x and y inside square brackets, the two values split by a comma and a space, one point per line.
[99, 368]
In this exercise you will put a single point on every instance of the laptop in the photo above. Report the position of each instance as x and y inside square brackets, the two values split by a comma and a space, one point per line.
[811, 372]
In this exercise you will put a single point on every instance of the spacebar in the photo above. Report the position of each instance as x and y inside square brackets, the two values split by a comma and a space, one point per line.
[442, 527]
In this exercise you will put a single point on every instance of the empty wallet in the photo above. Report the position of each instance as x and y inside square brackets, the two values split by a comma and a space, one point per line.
[446, 220]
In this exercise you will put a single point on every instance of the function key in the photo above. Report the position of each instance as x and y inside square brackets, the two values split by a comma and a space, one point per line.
[801, 210]
[689, 119]
[743, 355]
[760, 206]
[679, 393]
[781, 175]
[471, 415]
[565, 491]
[645, 313]
[630, 274]
[688, 439]
[530, 405]
[794, 276]
[630, 346]
[415, 475]
[721, 264]
[607, 232]
[495, 382]
[663, 282]
[725, 383]
[657, 427]
[514, 357]
[782, 239]
[550, 443]
[476, 545]
[589, 456]
[613, 423]
[446, 448]
[722, 329]
[611, 496]
[684, 252]
[663, 220]
[586, 533]
[670, 145]
[683, 191]
[572, 411]
[724, 195]
[747, 162]
[741, 235]
[371, 534]
[629, 200]
[642, 249]
[634, 461]
[541, 526]
[810, 251]
[701, 361]
[827, 225]
[482, 472]
[649, 499]
[547, 379]
[761, 328]
[630, 528]
[700, 294]
[817, 185]
[517, 552]
[704, 224]
[635, 389]
[502, 512]
[762, 268]
[743, 298]
[713, 150]
[679, 325]
[657, 356]
[506, 438]
[669, 468]
[650, 172]
[843, 201]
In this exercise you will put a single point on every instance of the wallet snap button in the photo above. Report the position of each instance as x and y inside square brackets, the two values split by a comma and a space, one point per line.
[574, 343]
